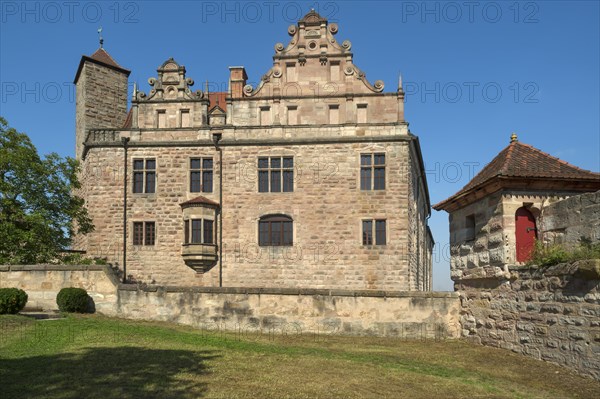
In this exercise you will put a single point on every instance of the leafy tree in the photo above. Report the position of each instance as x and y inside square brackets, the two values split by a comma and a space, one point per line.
[39, 212]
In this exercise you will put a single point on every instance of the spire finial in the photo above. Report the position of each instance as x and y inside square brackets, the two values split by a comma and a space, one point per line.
[513, 137]
[100, 38]
[399, 81]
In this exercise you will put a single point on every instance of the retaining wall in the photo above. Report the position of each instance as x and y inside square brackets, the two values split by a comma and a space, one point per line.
[298, 311]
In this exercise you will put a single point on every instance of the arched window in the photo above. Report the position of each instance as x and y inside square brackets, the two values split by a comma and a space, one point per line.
[275, 230]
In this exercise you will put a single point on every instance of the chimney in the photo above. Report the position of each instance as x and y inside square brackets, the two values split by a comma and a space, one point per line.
[237, 81]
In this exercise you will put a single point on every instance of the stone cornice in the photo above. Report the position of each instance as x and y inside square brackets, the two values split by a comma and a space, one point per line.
[289, 291]
[249, 142]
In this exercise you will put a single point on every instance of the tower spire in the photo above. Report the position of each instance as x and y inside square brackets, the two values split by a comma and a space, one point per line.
[100, 38]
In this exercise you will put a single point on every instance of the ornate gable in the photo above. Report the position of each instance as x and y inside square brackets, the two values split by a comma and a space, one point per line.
[171, 84]
[313, 55]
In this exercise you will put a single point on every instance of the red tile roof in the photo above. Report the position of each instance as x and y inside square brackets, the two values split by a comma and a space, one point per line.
[128, 119]
[522, 161]
[217, 98]
[200, 200]
[103, 58]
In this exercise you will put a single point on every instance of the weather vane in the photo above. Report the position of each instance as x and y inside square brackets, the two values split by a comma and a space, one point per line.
[100, 36]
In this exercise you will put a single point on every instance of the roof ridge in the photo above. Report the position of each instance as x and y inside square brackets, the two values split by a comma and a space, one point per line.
[105, 53]
[556, 158]
[507, 158]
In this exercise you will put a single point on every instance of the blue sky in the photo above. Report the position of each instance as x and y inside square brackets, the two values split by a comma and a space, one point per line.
[473, 71]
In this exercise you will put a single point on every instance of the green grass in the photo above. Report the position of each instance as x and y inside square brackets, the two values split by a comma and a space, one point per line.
[90, 356]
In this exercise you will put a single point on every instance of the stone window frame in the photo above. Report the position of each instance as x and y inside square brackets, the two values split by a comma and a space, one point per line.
[292, 108]
[188, 227]
[202, 170]
[330, 108]
[374, 237]
[185, 111]
[470, 227]
[161, 112]
[148, 237]
[261, 112]
[372, 167]
[144, 172]
[359, 108]
[282, 169]
[270, 220]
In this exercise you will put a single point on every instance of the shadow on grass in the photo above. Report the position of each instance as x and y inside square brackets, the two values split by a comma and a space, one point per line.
[120, 372]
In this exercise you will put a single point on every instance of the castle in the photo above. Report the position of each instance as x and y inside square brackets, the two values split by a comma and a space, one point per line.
[310, 179]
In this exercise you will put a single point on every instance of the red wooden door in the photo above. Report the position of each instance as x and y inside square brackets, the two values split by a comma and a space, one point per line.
[526, 234]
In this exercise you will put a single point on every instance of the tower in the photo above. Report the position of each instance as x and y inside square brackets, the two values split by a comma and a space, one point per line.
[101, 95]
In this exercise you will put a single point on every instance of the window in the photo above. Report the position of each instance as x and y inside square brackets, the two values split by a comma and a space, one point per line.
[144, 175]
[265, 116]
[372, 171]
[161, 119]
[334, 71]
[470, 228]
[201, 175]
[184, 118]
[361, 113]
[198, 231]
[379, 234]
[144, 233]
[292, 115]
[275, 174]
[290, 72]
[334, 114]
[275, 230]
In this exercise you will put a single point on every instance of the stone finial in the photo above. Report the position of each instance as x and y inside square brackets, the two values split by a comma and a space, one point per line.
[513, 137]
[399, 81]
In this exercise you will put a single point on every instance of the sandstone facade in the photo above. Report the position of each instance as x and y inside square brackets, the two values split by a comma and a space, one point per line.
[313, 107]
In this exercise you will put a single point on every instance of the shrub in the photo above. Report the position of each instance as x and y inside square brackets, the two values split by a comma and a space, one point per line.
[552, 254]
[75, 300]
[12, 300]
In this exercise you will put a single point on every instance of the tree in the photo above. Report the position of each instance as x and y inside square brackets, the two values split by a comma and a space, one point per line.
[39, 212]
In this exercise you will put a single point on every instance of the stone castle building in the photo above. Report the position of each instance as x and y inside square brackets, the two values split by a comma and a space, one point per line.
[310, 179]
[521, 196]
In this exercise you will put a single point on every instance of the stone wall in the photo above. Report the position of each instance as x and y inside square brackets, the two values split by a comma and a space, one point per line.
[568, 220]
[247, 310]
[298, 311]
[43, 282]
[550, 313]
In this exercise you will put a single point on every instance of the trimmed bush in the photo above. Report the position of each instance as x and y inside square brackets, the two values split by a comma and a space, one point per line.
[73, 300]
[12, 300]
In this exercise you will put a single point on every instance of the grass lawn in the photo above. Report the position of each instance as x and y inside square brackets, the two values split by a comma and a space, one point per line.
[97, 357]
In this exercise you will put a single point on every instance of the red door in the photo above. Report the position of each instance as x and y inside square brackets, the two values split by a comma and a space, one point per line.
[526, 234]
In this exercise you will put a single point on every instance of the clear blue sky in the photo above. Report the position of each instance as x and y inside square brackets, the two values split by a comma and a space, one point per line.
[474, 71]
